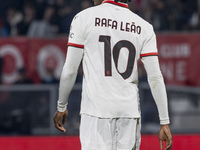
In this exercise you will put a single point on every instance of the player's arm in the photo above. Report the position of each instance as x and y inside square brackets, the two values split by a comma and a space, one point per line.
[67, 80]
[157, 86]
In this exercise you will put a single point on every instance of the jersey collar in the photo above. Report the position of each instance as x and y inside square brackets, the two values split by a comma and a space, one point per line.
[118, 3]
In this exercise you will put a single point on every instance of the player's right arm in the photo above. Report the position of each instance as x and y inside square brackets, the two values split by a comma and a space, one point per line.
[68, 76]
[70, 69]
[67, 80]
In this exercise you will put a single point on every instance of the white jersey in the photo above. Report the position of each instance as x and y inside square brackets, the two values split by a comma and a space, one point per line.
[113, 39]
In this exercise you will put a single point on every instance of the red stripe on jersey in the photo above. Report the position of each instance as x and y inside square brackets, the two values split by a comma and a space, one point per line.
[149, 54]
[119, 4]
[75, 45]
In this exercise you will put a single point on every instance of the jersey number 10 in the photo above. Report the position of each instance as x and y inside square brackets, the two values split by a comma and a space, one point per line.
[116, 51]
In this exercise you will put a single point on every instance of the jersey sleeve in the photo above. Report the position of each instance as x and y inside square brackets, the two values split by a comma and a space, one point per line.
[150, 45]
[76, 35]
[157, 86]
[68, 76]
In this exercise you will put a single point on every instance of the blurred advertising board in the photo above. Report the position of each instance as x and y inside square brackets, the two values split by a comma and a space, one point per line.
[178, 56]
[36, 55]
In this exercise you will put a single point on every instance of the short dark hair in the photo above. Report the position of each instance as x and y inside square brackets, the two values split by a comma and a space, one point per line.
[124, 1]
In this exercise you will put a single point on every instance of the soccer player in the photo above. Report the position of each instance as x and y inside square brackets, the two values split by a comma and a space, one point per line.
[109, 39]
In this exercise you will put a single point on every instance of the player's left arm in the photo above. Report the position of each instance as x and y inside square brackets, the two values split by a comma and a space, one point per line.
[67, 80]
[156, 82]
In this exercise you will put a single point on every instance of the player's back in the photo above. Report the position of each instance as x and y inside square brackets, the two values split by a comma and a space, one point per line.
[113, 40]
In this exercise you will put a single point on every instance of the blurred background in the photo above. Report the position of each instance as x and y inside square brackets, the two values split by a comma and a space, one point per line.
[33, 46]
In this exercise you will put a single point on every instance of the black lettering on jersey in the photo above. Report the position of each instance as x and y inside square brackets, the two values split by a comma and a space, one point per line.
[127, 27]
[133, 27]
[104, 22]
[114, 25]
[138, 29]
[131, 57]
[97, 21]
[121, 26]
[108, 53]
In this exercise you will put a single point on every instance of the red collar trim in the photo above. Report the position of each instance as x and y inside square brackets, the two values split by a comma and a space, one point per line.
[112, 2]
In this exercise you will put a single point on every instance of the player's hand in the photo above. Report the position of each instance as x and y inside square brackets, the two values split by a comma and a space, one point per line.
[57, 117]
[166, 136]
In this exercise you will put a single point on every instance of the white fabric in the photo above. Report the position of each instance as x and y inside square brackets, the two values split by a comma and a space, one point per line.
[68, 76]
[157, 86]
[109, 134]
[110, 96]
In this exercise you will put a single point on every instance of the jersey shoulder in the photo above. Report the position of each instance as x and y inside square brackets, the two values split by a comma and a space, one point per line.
[145, 25]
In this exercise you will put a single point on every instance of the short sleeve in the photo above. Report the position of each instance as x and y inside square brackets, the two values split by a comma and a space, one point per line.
[76, 35]
[150, 45]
